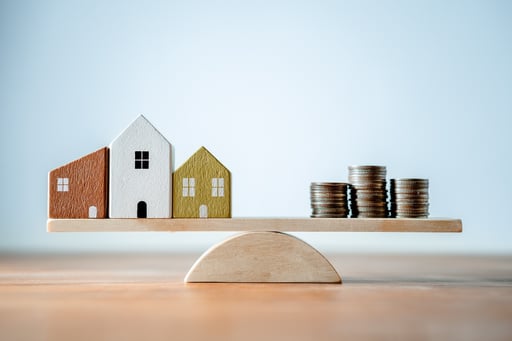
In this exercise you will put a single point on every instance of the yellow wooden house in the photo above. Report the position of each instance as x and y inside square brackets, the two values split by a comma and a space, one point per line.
[201, 188]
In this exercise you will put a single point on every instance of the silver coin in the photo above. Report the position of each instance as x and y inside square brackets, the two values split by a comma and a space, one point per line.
[364, 215]
[317, 213]
[367, 168]
[335, 199]
[409, 180]
[422, 216]
[328, 194]
[408, 185]
[415, 201]
[408, 193]
[329, 204]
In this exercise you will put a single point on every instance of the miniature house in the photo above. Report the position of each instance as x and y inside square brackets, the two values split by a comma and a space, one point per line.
[140, 173]
[202, 188]
[79, 189]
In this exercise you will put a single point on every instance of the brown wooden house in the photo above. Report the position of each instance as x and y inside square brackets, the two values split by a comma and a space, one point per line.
[79, 189]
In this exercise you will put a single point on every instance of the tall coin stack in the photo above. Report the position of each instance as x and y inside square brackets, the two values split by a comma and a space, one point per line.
[409, 198]
[329, 199]
[368, 194]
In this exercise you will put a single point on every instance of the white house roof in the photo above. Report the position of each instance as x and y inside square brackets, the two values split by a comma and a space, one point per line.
[140, 124]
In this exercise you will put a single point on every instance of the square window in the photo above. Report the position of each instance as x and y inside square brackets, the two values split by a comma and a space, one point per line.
[141, 159]
[62, 184]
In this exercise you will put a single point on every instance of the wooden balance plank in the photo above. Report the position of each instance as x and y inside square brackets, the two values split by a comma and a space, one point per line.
[257, 224]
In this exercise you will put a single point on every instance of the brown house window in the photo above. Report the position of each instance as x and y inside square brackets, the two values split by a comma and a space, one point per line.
[62, 184]
[141, 159]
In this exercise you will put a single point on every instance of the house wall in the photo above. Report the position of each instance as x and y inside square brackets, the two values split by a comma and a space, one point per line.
[86, 186]
[128, 185]
[202, 166]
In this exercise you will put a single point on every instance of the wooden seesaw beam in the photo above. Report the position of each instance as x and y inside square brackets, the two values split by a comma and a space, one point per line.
[263, 252]
[257, 224]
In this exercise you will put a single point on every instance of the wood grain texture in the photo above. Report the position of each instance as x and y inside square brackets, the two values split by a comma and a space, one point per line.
[132, 187]
[258, 224]
[202, 185]
[260, 257]
[80, 187]
[143, 297]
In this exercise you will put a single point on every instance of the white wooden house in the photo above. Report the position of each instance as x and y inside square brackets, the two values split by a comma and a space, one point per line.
[140, 180]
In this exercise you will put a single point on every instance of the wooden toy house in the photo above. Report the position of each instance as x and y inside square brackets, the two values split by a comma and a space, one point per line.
[79, 188]
[202, 188]
[140, 173]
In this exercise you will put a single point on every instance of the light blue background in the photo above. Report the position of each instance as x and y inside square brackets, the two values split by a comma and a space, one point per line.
[282, 92]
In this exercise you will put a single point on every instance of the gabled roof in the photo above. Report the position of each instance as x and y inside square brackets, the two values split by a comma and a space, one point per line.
[202, 155]
[140, 125]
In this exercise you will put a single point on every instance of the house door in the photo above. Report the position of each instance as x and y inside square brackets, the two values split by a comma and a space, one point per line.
[203, 211]
[142, 209]
[93, 212]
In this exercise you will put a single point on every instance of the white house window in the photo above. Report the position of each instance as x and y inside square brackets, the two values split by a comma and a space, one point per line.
[141, 159]
[189, 187]
[62, 184]
[217, 187]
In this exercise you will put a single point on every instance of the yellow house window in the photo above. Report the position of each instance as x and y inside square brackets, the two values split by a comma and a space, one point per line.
[217, 187]
[189, 187]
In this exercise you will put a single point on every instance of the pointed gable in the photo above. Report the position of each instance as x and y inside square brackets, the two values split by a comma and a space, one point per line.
[202, 157]
[139, 130]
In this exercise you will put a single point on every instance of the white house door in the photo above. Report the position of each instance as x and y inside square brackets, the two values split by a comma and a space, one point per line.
[203, 211]
[93, 212]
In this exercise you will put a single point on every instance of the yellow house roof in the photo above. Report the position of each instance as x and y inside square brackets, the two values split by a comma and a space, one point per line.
[204, 158]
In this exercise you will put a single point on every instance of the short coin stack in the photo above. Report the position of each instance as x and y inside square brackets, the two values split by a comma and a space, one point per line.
[409, 198]
[329, 199]
[368, 194]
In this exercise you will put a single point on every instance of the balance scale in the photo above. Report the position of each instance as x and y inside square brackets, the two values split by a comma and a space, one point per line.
[264, 252]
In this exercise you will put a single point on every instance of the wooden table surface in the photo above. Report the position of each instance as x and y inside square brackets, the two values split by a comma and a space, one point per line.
[142, 296]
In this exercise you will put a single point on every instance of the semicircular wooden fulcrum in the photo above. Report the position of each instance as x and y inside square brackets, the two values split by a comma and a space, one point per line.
[256, 257]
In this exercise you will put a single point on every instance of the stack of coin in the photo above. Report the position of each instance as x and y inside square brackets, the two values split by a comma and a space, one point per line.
[409, 198]
[329, 199]
[368, 194]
